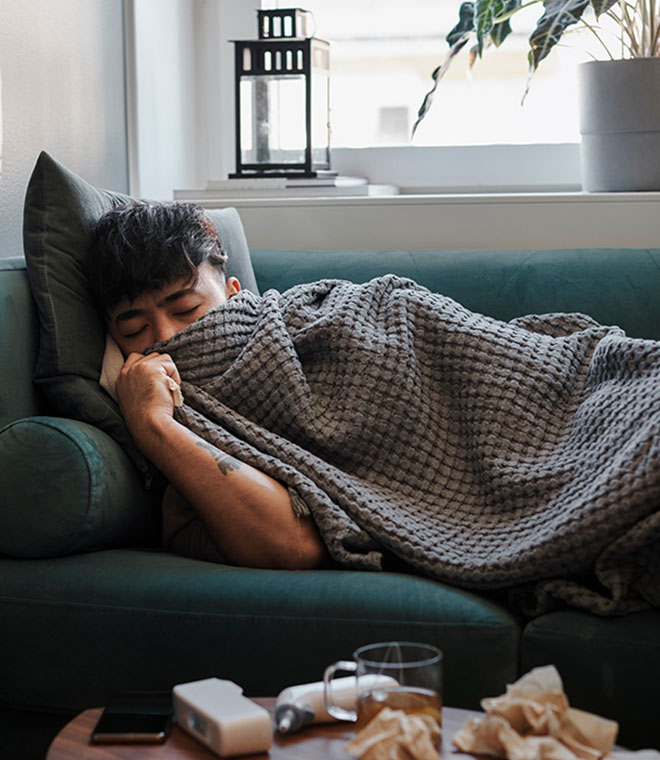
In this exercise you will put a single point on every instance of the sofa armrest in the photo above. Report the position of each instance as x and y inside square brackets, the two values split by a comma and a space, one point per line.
[68, 487]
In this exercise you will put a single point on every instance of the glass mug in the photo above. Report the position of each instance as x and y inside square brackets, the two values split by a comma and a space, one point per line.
[401, 675]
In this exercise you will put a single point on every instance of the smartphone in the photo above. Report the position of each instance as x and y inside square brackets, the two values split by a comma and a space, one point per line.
[141, 717]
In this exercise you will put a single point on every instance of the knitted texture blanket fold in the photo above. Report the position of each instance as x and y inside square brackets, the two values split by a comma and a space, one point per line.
[490, 455]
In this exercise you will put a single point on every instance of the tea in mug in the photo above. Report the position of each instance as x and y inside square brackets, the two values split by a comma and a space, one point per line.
[410, 699]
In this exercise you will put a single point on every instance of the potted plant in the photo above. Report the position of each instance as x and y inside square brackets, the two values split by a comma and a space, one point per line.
[619, 96]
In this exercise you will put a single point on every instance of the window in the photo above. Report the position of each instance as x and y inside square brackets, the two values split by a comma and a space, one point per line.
[477, 138]
[383, 53]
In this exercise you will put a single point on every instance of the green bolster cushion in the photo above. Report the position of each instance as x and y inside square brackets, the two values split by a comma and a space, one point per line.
[68, 487]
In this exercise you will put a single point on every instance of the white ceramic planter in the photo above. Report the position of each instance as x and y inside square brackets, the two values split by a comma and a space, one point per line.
[620, 124]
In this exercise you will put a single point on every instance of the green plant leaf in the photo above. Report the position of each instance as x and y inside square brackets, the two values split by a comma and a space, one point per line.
[457, 38]
[485, 13]
[502, 29]
[558, 15]
[440, 71]
[465, 23]
[602, 6]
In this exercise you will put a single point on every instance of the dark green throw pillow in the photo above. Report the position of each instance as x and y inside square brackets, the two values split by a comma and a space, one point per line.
[61, 210]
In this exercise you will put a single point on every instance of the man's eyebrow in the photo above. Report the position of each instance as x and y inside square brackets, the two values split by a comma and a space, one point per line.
[177, 294]
[124, 316]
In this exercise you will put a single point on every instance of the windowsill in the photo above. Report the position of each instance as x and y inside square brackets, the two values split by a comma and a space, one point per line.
[438, 198]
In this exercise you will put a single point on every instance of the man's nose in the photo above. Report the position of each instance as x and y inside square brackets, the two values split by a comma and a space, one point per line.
[164, 329]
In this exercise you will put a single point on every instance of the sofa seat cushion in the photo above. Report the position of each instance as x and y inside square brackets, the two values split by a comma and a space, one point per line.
[135, 619]
[68, 487]
[610, 666]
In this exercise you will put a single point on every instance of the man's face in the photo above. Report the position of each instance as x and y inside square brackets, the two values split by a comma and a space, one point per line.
[157, 315]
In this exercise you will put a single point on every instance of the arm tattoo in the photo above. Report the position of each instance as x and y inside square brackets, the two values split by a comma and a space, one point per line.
[225, 462]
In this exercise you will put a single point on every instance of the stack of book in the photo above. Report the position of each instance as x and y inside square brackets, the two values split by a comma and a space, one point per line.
[285, 187]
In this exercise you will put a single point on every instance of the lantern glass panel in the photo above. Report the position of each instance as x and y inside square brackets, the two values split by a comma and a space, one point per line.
[320, 119]
[272, 119]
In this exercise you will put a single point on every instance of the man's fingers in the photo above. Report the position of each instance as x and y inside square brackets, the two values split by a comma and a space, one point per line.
[170, 373]
[166, 361]
[154, 359]
[173, 371]
[132, 359]
[169, 368]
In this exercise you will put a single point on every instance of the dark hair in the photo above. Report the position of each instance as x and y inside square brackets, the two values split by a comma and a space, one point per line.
[141, 246]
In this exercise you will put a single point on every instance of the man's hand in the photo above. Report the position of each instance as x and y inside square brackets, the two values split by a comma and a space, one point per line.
[144, 393]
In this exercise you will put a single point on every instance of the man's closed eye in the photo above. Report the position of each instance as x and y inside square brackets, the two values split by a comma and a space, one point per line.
[188, 311]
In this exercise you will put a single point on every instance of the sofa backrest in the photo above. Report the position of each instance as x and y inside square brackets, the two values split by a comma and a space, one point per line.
[19, 330]
[614, 286]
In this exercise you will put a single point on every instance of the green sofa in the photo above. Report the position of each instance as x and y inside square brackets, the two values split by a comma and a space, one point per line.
[77, 626]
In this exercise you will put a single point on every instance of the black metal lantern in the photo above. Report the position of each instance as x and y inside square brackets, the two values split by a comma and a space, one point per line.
[282, 99]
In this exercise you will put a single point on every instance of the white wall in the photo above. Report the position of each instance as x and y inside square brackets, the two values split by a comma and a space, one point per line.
[165, 63]
[182, 73]
[62, 71]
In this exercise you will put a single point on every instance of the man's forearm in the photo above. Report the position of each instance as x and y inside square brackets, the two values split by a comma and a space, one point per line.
[247, 513]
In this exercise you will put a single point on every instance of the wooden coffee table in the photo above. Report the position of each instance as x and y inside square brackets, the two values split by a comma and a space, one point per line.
[318, 742]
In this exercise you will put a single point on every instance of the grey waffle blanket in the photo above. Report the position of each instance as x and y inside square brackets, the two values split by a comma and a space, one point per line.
[491, 455]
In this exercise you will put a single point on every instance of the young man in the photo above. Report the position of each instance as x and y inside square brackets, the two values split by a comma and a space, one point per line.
[157, 269]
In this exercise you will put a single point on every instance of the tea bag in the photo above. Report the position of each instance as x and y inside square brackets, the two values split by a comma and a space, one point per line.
[395, 735]
[534, 721]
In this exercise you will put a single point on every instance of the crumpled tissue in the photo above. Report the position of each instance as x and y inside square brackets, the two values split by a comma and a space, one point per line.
[534, 721]
[395, 735]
